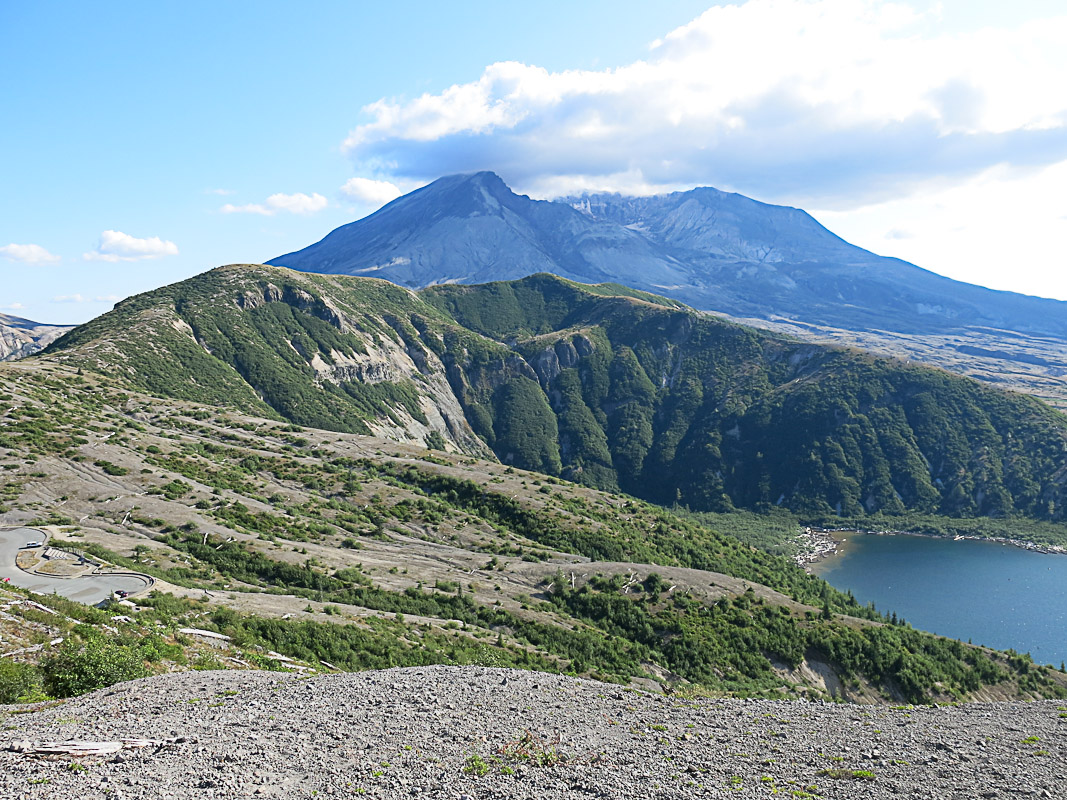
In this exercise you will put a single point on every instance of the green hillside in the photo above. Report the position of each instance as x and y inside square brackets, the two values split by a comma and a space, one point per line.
[682, 408]
[353, 552]
[604, 386]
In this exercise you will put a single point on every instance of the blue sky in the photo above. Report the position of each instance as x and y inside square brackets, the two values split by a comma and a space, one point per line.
[146, 142]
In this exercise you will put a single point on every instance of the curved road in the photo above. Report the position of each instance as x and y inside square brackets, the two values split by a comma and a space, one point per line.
[88, 589]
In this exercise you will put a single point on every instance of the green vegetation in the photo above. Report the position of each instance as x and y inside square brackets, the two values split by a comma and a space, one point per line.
[19, 683]
[524, 427]
[774, 531]
[614, 392]
[604, 386]
[90, 656]
[91, 661]
[476, 765]
[699, 413]
[645, 534]
[252, 338]
[727, 645]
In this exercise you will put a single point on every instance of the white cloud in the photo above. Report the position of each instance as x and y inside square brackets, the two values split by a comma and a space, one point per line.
[907, 127]
[13, 307]
[298, 203]
[80, 298]
[248, 208]
[370, 192]
[119, 246]
[806, 101]
[998, 229]
[28, 254]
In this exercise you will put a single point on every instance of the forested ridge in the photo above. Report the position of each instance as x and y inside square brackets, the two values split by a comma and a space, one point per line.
[683, 408]
[602, 385]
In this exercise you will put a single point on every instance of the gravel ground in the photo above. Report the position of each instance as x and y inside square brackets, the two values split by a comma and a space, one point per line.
[427, 732]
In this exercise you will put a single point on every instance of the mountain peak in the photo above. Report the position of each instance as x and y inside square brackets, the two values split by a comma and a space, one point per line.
[477, 192]
[714, 250]
[470, 228]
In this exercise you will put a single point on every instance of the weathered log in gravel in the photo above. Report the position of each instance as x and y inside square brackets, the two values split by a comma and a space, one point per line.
[454, 732]
[81, 749]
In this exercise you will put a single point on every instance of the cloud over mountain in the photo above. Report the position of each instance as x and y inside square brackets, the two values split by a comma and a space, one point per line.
[812, 101]
[370, 192]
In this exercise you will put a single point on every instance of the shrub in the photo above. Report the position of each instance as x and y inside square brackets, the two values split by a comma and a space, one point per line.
[207, 661]
[92, 663]
[19, 683]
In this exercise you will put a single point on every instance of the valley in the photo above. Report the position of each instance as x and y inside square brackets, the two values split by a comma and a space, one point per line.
[349, 475]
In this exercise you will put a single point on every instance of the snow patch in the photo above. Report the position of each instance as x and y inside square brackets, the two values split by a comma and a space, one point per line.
[399, 261]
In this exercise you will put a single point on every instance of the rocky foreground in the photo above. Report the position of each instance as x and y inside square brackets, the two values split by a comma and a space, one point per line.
[455, 732]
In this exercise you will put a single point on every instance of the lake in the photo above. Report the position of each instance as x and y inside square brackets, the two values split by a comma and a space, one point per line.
[993, 594]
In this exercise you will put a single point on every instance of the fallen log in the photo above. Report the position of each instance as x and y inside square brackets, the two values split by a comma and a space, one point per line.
[32, 649]
[81, 749]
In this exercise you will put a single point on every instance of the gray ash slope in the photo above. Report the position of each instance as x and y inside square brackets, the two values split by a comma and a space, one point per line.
[714, 250]
[23, 337]
[424, 732]
[474, 229]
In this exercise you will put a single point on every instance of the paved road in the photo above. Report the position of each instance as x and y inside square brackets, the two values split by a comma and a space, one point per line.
[88, 589]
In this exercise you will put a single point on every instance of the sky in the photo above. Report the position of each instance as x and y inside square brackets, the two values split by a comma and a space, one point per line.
[142, 143]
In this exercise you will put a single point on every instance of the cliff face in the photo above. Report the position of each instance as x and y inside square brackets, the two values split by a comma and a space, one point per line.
[22, 337]
[355, 356]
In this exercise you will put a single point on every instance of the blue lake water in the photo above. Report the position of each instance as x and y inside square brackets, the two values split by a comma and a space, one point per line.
[995, 595]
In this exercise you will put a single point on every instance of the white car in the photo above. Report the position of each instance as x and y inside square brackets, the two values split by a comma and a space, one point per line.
[32, 544]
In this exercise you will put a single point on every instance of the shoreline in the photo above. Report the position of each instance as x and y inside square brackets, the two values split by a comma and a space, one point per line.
[819, 545]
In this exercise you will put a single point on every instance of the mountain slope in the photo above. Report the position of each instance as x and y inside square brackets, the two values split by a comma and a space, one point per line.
[604, 386]
[753, 259]
[714, 251]
[352, 552]
[676, 407]
[474, 229]
[336, 354]
[22, 337]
